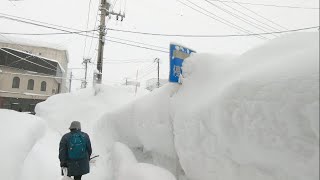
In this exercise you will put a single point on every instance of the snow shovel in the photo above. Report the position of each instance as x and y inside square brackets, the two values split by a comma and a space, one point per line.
[93, 160]
[65, 173]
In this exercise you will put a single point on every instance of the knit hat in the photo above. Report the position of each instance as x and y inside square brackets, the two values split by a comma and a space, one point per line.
[75, 125]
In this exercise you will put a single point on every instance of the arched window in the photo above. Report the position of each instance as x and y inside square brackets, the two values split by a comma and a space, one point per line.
[16, 82]
[30, 84]
[43, 86]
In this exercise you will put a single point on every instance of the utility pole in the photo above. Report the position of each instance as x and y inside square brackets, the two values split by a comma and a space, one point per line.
[158, 61]
[135, 92]
[105, 11]
[70, 81]
[85, 62]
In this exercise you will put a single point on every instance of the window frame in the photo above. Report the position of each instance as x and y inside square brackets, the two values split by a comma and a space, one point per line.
[43, 86]
[16, 82]
[29, 87]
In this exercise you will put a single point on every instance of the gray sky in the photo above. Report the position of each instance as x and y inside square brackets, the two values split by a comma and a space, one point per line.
[156, 16]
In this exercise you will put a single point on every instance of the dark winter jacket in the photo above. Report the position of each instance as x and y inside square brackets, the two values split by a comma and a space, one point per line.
[75, 167]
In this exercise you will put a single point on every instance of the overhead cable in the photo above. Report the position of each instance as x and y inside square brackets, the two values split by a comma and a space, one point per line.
[270, 5]
[213, 36]
[217, 18]
[257, 14]
[263, 25]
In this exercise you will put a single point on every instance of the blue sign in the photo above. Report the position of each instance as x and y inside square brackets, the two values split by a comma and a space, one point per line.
[178, 54]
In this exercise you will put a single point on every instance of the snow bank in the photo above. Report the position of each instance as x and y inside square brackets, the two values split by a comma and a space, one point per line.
[126, 167]
[18, 134]
[59, 111]
[251, 117]
[145, 126]
[42, 161]
[255, 117]
[83, 105]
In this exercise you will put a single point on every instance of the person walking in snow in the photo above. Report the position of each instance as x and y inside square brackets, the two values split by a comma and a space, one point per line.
[75, 151]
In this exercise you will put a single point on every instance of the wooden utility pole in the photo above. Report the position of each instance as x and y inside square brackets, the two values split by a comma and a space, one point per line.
[158, 82]
[105, 11]
[85, 62]
[70, 81]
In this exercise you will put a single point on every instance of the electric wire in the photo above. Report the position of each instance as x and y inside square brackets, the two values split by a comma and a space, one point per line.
[200, 36]
[257, 14]
[26, 60]
[123, 43]
[264, 25]
[253, 24]
[269, 5]
[213, 36]
[217, 18]
[31, 55]
[47, 34]
[92, 34]
[88, 20]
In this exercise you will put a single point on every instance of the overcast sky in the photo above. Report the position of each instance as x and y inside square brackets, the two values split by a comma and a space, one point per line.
[155, 16]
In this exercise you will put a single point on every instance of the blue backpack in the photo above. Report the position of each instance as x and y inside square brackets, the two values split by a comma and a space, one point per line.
[77, 146]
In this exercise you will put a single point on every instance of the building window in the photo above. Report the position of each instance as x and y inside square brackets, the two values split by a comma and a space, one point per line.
[30, 84]
[16, 82]
[43, 86]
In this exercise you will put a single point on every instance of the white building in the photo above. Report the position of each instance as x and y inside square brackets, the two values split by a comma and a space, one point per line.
[30, 72]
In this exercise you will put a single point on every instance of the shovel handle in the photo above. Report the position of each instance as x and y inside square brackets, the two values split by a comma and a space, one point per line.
[94, 157]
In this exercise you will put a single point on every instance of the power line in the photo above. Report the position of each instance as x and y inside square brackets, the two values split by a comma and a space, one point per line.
[32, 23]
[137, 42]
[88, 19]
[27, 60]
[95, 24]
[249, 22]
[147, 74]
[191, 35]
[38, 21]
[142, 47]
[269, 5]
[213, 36]
[46, 34]
[259, 15]
[217, 18]
[254, 19]
[132, 45]
[31, 55]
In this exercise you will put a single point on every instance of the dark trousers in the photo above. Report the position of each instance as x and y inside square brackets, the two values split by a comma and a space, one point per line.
[76, 177]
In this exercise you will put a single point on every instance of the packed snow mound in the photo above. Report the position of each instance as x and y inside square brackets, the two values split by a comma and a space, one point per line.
[18, 134]
[145, 126]
[251, 117]
[84, 105]
[255, 117]
[125, 166]
[42, 161]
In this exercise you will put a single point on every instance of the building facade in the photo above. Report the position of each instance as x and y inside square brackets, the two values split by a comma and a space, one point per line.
[30, 73]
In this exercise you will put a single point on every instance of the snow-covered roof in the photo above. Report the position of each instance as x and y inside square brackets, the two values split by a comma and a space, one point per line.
[29, 42]
[41, 57]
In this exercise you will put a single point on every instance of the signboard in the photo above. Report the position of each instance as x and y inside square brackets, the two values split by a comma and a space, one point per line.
[178, 54]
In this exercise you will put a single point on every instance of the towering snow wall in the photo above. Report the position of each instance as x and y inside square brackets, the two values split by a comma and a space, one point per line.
[251, 117]
[19, 132]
